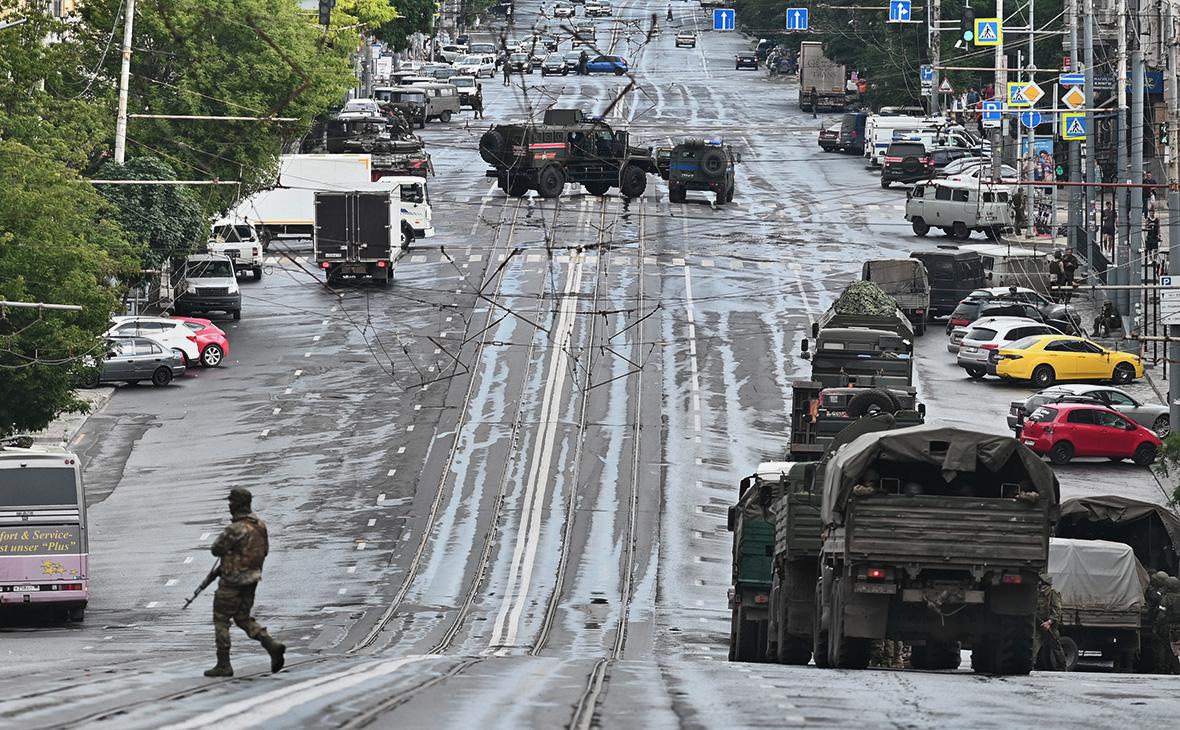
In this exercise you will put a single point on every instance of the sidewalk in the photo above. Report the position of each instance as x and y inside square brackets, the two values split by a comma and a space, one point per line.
[63, 430]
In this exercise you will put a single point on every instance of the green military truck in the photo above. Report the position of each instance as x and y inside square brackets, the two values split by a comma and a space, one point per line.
[752, 525]
[933, 536]
[696, 164]
[567, 147]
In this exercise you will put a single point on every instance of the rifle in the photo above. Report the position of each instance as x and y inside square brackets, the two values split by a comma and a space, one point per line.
[216, 571]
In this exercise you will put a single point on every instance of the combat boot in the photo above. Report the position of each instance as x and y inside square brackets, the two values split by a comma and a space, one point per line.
[223, 668]
[276, 649]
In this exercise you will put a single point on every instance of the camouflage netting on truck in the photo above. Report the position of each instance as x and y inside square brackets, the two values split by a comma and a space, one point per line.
[864, 297]
[936, 460]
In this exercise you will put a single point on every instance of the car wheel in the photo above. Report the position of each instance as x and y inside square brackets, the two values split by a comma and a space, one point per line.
[445, 117]
[959, 230]
[161, 377]
[884, 181]
[551, 182]
[91, 378]
[632, 182]
[921, 227]
[1161, 426]
[946, 231]
[976, 372]
[1043, 376]
[257, 273]
[675, 194]
[1061, 453]
[1144, 454]
[237, 314]
[1123, 373]
[211, 356]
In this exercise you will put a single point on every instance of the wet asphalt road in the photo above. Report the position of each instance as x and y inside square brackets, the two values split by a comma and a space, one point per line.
[496, 491]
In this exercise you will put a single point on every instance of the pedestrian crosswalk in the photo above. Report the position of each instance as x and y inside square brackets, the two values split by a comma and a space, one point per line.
[616, 258]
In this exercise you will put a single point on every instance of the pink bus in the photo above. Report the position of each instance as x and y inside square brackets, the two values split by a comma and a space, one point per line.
[43, 546]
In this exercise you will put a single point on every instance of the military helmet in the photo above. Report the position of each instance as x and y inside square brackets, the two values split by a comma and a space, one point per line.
[1046, 578]
[239, 497]
[1172, 584]
[1159, 578]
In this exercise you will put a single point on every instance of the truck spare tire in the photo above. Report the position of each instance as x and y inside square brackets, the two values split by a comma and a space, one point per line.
[712, 163]
[872, 400]
[491, 147]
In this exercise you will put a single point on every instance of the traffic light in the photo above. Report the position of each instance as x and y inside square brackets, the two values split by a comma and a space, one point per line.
[1164, 138]
[326, 12]
[967, 24]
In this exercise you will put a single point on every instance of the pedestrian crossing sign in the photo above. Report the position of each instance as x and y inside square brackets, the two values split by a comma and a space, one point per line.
[1016, 97]
[988, 32]
[1073, 126]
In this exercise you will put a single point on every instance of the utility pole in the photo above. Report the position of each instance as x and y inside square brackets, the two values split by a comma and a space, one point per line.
[1134, 270]
[1122, 212]
[1076, 196]
[933, 18]
[124, 82]
[1172, 89]
[1032, 132]
[1001, 83]
[1091, 131]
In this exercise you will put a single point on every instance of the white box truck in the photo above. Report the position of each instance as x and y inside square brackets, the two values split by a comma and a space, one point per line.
[822, 73]
[357, 233]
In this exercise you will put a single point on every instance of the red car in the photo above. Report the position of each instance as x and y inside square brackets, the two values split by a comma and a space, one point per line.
[211, 340]
[1065, 430]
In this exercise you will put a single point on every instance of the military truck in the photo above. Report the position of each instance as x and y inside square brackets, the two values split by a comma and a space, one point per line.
[752, 526]
[698, 165]
[934, 536]
[567, 147]
[904, 280]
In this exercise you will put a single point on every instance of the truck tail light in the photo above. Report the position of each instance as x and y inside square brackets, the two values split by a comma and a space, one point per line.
[875, 574]
[254, 251]
[1012, 579]
[893, 159]
[761, 598]
[326, 265]
[381, 264]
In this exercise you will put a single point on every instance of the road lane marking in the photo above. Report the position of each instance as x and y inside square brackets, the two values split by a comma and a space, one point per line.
[170, 582]
[298, 373]
[390, 473]
[372, 521]
[695, 380]
[276, 411]
[205, 536]
[265, 433]
[188, 560]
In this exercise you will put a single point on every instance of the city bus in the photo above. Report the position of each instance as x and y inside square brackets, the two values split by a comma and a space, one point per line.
[43, 545]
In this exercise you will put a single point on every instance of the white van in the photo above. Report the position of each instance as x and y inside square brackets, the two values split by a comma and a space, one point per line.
[879, 132]
[207, 283]
[958, 208]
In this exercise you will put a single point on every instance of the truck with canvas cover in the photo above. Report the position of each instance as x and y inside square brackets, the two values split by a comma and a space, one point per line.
[567, 147]
[1151, 530]
[827, 77]
[904, 280]
[1102, 587]
[357, 234]
[752, 525]
[934, 536]
[797, 529]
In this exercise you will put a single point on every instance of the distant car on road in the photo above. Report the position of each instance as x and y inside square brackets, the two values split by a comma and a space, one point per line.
[520, 63]
[616, 65]
[1045, 359]
[906, 162]
[477, 65]
[1065, 430]
[554, 64]
[132, 359]
[829, 138]
[745, 60]
[686, 39]
[561, 10]
[1150, 415]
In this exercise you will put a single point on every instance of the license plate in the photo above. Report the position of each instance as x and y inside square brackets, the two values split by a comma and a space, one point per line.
[24, 589]
[1029, 442]
[970, 350]
[874, 588]
[232, 254]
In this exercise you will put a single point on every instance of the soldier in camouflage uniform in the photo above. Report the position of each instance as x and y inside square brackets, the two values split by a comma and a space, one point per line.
[1166, 615]
[1048, 620]
[242, 547]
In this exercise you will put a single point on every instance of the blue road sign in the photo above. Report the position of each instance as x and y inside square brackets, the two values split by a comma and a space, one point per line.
[1030, 119]
[927, 73]
[796, 18]
[1073, 126]
[899, 11]
[724, 18]
[1072, 79]
[992, 111]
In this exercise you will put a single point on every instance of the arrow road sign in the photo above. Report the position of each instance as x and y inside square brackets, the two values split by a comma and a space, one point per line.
[988, 32]
[992, 112]
[724, 18]
[1072, 79]
[1030, 119]
[796, 18]
[1073, 126]
[899, 11]
[926, 74]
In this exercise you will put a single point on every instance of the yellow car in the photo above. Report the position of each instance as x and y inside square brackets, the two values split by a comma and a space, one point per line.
[1045, 359]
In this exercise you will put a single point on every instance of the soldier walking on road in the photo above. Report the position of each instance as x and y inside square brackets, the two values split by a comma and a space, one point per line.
[813, 97]
[242, 547]
[507, 73]
[1049, 614]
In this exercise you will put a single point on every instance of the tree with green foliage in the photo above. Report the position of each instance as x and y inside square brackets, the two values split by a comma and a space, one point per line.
[1168, 462]
[413, 16]
[167, 219]
[58, 246]
[259, 58]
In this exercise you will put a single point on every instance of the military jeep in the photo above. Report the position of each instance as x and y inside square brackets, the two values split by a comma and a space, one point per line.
[566, 147]
[698, 165]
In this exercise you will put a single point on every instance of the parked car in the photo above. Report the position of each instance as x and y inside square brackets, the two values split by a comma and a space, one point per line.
[360, 108]
[554, 63]
[607, 64]
[686, 39]
[477, 65]
[470, 90]
[1048, 307]
[1150, 415]
[745, 60]
[165, 330]
[132, 359]
[451, 52]
[239, 240]
[953, 272]
[992, 333]
[829, 138]
[906, 162]
[212, 342]
[561, 10]
[1045, 359]
[976, 173]
[1066, 430]
[955, 339]
[207, 283]
[975, 308]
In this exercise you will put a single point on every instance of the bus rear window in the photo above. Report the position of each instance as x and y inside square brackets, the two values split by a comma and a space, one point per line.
[38, 486]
